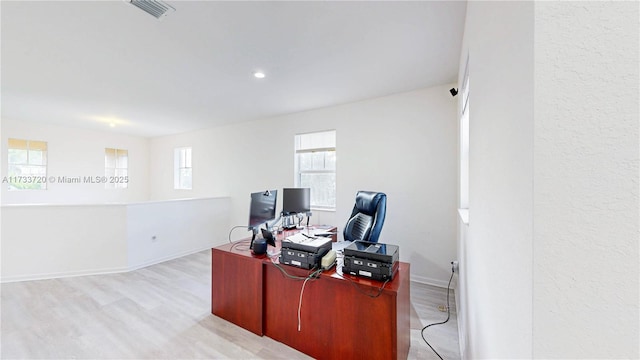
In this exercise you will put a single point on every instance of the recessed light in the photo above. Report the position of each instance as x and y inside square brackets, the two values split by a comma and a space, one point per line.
[112, 125]
[259, 74]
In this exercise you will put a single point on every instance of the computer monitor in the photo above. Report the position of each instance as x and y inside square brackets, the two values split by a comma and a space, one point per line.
[296, 203]
[262, 210]
[296, 200]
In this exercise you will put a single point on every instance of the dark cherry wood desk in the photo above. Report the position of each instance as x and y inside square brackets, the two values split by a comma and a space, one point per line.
[338, 319]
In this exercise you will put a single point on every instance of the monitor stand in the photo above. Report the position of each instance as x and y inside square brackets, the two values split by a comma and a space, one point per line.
[289, 222]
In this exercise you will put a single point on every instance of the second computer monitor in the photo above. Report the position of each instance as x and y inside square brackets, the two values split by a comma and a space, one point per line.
[262, 208]
[296, 200]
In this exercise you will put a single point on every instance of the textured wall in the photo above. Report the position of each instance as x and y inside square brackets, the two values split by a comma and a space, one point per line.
[586, 217]
[550, 264]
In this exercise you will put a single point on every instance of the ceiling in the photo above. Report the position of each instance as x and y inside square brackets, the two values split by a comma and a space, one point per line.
[108, 65]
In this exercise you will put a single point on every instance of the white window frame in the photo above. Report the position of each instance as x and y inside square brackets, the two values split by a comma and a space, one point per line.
[182, 163]
[27, 178]
[299, 172]
[117, 176]
[464, 146]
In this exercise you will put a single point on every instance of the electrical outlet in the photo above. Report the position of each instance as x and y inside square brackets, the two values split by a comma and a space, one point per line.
[454, 266]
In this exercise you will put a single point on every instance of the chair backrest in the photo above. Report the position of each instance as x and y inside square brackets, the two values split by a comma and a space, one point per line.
[367, 217]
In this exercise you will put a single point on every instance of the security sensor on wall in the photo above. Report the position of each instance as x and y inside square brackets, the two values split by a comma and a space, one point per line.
[453, 91]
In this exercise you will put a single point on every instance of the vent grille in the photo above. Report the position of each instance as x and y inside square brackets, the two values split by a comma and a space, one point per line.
[155, 8]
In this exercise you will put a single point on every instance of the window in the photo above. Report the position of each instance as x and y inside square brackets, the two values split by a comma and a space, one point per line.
[27, 165]
[464, 141]
[116, 163]
[315, 164]
[183, 172]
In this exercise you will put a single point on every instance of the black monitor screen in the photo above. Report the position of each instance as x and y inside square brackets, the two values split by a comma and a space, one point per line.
[263, 208]
[296, 200]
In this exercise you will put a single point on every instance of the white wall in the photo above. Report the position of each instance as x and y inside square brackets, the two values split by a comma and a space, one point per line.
[495, 293]
[404, 145]
[41, 241]
[83, 228]
[159, 231]
[49, 241]
[550, 256]
[77, 152]
[586, 207]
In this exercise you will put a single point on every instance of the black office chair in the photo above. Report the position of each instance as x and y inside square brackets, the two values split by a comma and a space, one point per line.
[367, 217]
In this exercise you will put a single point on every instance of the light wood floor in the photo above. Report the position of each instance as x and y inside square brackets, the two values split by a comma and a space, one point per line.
[163, 312]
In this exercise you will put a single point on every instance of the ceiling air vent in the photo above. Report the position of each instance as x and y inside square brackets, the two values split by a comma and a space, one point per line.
[156, 8]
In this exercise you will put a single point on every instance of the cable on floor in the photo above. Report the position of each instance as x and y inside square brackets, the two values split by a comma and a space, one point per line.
[442, 322]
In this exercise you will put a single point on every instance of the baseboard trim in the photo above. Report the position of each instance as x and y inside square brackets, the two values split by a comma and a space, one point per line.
[64, 274]
[107, 271]
[167, 258]
[431, 281]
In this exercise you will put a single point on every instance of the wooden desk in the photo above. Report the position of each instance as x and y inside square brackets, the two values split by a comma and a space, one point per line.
[237, 281]
[338, 319]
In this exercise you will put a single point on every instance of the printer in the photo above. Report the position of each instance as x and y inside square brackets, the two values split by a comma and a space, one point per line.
[375, 261]
[304, 251]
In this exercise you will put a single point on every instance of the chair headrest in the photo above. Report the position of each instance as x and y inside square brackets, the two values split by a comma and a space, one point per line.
[367, 201]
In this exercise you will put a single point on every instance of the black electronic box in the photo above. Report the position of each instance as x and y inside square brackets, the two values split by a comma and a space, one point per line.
[304, 254]
[376, 261]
